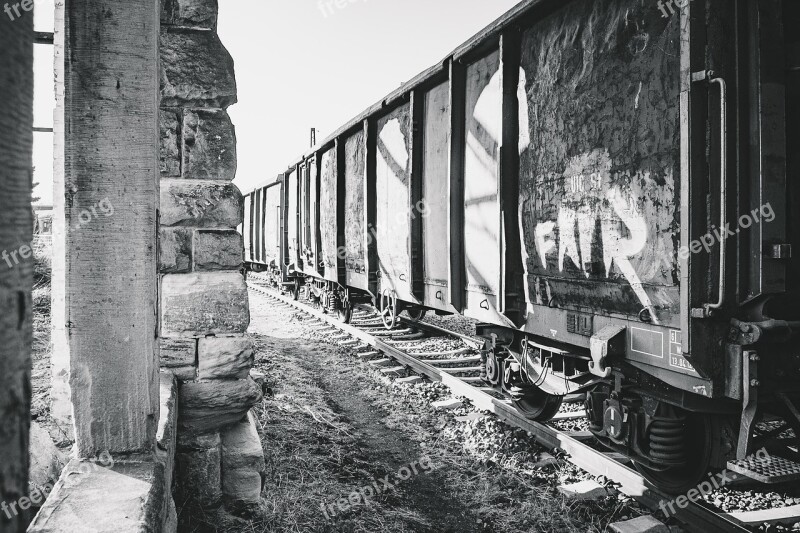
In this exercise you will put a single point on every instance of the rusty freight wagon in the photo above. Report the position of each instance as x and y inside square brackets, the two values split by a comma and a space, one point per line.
[603, 185]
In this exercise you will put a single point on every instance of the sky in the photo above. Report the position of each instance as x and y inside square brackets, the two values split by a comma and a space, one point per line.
[300, 64]
[308, 63]
[43, 105]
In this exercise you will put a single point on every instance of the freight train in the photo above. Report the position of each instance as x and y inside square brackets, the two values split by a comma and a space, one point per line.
[605, 186]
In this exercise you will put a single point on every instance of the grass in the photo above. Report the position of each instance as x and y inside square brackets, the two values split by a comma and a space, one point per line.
[315, 459]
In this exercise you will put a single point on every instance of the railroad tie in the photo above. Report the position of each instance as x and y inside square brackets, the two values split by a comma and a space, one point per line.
[642, 524]
[395, 371]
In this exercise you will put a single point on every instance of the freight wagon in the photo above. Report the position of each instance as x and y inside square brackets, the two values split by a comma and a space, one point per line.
[607, 187]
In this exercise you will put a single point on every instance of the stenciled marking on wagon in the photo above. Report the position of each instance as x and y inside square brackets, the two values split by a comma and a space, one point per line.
[591, 193]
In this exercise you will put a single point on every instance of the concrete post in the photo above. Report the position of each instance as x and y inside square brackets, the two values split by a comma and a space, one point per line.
[111, 205]
[16, 263]
[60, 397]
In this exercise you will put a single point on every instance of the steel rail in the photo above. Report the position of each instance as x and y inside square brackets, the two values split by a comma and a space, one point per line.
[696, 517]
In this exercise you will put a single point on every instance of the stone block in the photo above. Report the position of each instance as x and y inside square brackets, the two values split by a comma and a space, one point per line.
[174, 250]
[200, 204]
[168, 412]
[209, 145]
[197, 70]
[218, 250]
[225, 357]
[184, 373]
[241, 489]
[46, 461]
[130, 497]
[170, 153]
[242, 448]
[199, 477]
[207, 406]
[192, 441]
[196, 14]
[177, 352]
[204, 304]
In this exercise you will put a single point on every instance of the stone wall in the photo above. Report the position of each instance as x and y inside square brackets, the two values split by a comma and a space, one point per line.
[204, 303]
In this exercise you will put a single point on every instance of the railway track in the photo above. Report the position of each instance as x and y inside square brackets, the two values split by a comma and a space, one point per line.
[699, 517]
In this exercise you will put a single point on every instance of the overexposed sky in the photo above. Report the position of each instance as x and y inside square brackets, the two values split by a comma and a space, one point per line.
[300, 64]
[308, 63]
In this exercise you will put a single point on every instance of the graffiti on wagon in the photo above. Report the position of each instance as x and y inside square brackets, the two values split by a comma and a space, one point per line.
[600, 224]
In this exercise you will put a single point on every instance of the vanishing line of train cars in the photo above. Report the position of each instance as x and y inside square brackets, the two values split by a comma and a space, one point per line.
[605, 186]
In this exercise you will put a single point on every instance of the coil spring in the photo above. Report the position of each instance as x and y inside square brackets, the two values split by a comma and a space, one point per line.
[667, 439]
[333, 301]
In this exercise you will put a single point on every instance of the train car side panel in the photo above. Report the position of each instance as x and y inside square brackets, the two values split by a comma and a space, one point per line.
[312, 254]
[435, 211]
[328, 223]
[393, 172]
[355, 215]
[258, 223]
[482, 238]
[292, 226]
[272, 226]
[247, 228]
[600, 191]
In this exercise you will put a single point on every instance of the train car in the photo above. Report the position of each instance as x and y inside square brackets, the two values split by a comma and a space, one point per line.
[603, 185]
[265, 232]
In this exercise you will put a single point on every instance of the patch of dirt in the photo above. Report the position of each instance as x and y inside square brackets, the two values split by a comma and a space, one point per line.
[334, 426]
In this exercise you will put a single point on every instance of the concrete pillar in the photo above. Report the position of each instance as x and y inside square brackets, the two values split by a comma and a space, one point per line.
[16, 263]
[60, 396]
[111, 202]
[204, 303]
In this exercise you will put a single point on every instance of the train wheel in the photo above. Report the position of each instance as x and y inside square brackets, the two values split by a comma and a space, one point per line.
[494, 370]
[417, 314]
[296, 291]
[697, 438]
[535, 404]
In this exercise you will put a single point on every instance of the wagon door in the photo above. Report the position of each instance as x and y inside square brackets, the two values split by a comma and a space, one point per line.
[312, 259]
[272, 225]
[482, 222]
[329, 214]
[292, 219]
[355, 214]
[393, 206]
[436, 211]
